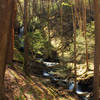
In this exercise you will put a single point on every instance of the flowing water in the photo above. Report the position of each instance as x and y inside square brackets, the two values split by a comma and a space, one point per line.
[50, 64]
[82, 95]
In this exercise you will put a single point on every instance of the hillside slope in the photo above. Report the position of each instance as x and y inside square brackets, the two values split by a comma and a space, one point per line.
[21, 87]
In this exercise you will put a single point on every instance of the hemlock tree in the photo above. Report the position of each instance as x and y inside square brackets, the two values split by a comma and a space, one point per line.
[97, 50]
[5, 21]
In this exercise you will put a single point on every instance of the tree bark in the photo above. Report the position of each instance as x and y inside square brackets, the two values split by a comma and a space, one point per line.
[5, 18]
[74, 17]
[97, 50]
[11, 35]
[26, 44]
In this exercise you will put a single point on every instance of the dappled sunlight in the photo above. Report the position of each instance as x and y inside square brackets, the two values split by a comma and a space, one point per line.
[49, 50]
[30, 88]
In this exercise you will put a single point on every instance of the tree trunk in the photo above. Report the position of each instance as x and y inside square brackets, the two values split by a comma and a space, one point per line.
[11, 36]
[26, 58]
[74, 17]
[97, 50]
[5, 21]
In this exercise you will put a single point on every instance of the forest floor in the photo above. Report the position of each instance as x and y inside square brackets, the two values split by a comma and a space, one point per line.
[18, 86]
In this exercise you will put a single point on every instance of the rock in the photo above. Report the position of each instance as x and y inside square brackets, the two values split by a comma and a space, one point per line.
[86, 85]
[62, 83]
[38, 68]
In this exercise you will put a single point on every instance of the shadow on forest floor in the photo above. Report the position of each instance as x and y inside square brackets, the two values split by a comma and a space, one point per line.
[21, 87]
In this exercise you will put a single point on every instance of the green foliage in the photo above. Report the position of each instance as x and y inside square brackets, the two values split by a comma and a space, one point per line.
[90, 29]
[38, 37]
[18, 55]
[37, 42]
[19, 98]
[66, 4]
[80, 42]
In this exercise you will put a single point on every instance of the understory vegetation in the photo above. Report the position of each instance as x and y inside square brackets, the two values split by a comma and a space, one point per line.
[52, 51]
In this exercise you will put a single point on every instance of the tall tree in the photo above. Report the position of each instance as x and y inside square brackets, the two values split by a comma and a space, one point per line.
[97, 50]
[26, 57]
[74, 30]
[11, 36]
[5, 21]
[49, 38]
[84, 31]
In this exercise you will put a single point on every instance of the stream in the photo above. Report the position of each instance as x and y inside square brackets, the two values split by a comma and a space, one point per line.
[83, 95]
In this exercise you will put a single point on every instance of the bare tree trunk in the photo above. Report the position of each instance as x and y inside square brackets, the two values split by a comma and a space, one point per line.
[26, 58]
[84, 32]
[97, 50]
[49, 38]
[5, 21]
[11, 36]
[61, 30]
[74, 12]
